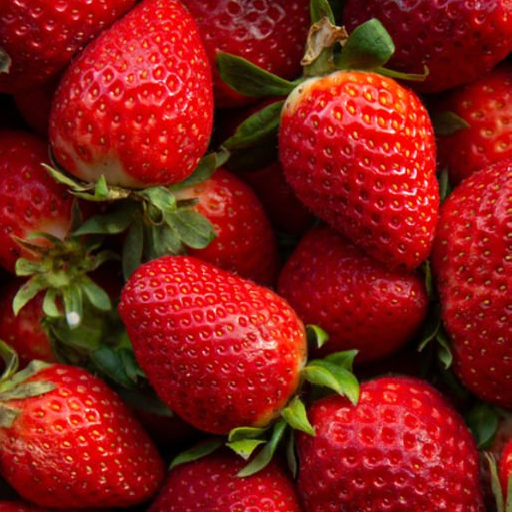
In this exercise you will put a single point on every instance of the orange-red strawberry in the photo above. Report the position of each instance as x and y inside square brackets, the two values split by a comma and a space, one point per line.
[358, 149]
[136, 104]
[212, 484]
[219, 350]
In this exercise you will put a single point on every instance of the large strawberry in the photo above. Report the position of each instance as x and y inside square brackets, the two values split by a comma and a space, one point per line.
[219, 350]
[472, 263]
[402, 448]
[212, 484]
[136, 104]
[41, 36]
[68, 442]
[358, 149]
[269, 34]
[456, 40]
[356, 300]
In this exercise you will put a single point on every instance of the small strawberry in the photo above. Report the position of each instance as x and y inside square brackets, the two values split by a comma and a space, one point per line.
[472, 264]
[357, 301]
[212, 484]
[458, 41]
[358, 149]
[68, 442]
[41, 36]
[219, 350]
[136, 104]
[402, 448]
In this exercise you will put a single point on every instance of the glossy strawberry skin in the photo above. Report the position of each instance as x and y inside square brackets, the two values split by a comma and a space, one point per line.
[78, 446]
[30, 200]
[358, 149]
[458, 41]
[41, 36]
[244, 242]
[211, 484]
[356, 300]
[472, 264]
[136, 104]
[219, 350]
[402, 448]
[486, 104]
[271, 35]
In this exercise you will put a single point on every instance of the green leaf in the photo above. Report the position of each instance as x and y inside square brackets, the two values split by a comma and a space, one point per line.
[5, 61]
[131, 365]
[368, 47]
[495, 481]
[343, 359]
[10, 359]
[483, 420]
[242, 433]
[111, 223]
[296, 416]
[448, 123]
[8, 415]
[109, 362]
[429, 284]
[162, 240]
[150, 403]
[316, 336]
[245, 448]
[27, 292]
[160, 197]
[508, 502]
[73, 306]
[444, 352]
[50, 307]
[198, 451]
[254, 158]
[205, 169]
[291, 456]
[320, 9]
[26, 267]
[25, 390]
[398, 75]
[95, 294]
[444, 184]
[192, 228]
[63, 178]
[431, 327]
[248, 79]
[133, 248]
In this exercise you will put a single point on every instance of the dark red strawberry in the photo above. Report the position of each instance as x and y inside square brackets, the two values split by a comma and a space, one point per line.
[244, 242]
[41, 36]
[271, 35]
[472, 264]
[76, 446]
[212, 484]
[358, 149]
[458, 41]
[30, 201]
[219, 350]
[356, 300]
[18, 506]
[136, 104]
[486, 106]
[402, 448]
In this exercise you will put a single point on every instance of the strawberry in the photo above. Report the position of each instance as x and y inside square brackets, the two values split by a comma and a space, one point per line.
[41, 36]
[472, 265]
[269, 34]
[485, 107]
[219, 350]
[505, 469]
[457, 41]
[104, 116]
[68, 442]
[402, 448]
[212, 484]
[244, 242]
[358, 149]
[30, 201]
[18, 506]
[357, 301]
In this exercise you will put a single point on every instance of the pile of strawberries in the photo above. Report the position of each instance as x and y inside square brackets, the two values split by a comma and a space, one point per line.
[257, 255]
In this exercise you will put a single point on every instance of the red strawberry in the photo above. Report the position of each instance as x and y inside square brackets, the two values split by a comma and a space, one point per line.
[30, 201]
[472, 264]
[219, 350]
[136, 104]
[244, 243]
[18, 506]
[77, 446]
[269, 34]
[486, 105]
[505, 469]
[212, 484]
[360, 303]
[402, 448]
[41, 36]
[456, 40]
[358, 149]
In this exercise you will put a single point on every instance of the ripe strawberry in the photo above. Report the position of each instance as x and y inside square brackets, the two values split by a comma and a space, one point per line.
[358, 149]
[402, 448]
[456, 40]
[219, 350]
[357, 301]
[505, 468]
[77, 446]
[18, 506]
[486, 105]
[30, 201]
[211, 484]
[269, 34]
[41, 36]
[244, 243]
[472, 264]
[136, 104]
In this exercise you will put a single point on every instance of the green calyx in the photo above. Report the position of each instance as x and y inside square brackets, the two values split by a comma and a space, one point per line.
[503, 502]
[5, 61]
